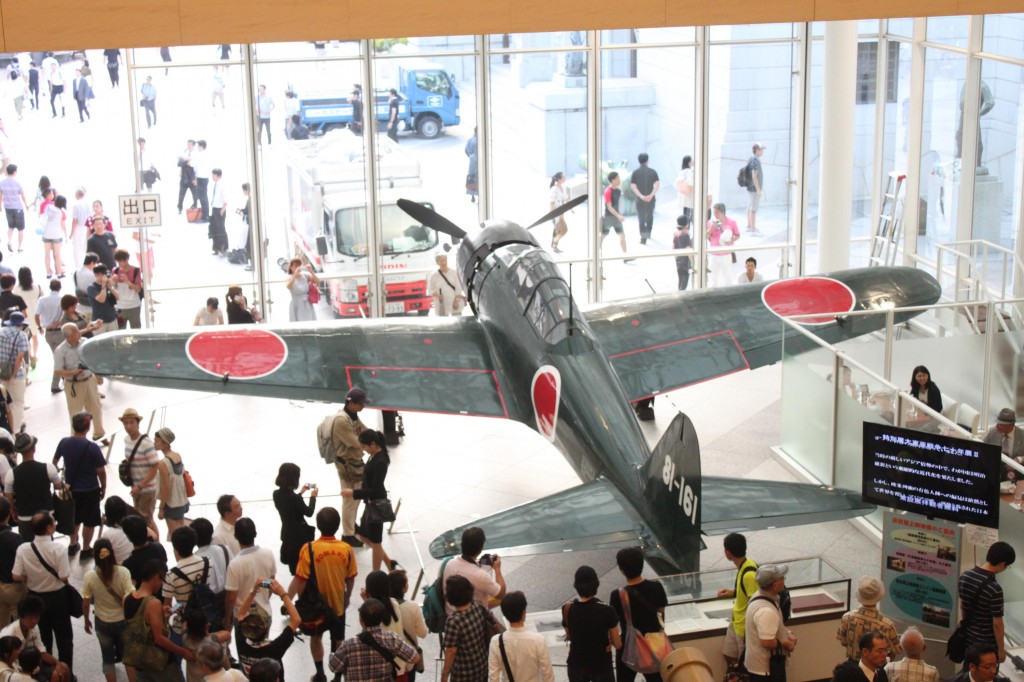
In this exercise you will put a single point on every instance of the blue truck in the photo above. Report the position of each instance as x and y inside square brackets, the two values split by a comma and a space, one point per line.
[429, 101]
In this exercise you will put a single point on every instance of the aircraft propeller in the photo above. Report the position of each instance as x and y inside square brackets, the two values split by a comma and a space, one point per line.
[567, 206]
[431, 218]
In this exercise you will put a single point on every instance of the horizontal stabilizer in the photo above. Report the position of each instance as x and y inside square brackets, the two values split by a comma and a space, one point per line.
[593, 515]
[737, 504]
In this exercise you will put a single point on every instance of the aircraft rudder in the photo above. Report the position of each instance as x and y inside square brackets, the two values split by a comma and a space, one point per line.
[673, 490]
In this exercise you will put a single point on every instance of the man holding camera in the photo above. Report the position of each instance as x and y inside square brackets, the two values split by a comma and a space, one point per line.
[80, 388]
[103, 300]
[484, 573]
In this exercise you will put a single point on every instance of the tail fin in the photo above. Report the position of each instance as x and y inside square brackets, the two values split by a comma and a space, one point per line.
[673, 496]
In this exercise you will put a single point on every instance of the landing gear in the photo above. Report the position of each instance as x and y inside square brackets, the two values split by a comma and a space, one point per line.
[644, 409]
[394, 429]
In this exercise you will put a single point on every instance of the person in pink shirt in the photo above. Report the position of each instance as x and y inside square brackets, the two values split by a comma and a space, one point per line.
[722, 231]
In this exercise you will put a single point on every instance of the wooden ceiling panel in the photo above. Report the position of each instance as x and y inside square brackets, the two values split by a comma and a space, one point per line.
[80, 24]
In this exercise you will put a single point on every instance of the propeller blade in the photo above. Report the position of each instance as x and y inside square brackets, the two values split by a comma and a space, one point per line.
[431, 218]
[567, 206]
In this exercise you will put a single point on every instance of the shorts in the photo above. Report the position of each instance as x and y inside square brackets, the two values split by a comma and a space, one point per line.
[753, 201]
[87, 507]
[15, 218]
[145, 503]
[176, 513]
[335, 625]
[52, 241]
[609, 223]
[732, 647]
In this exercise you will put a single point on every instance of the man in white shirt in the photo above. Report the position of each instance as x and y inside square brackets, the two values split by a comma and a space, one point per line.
[47, 581]
[230, 510]
[765, 629]
[750, 275]
[80, 212]
[484, 575]
[218, 227]
[202, 169]
[524, 653]
[47, 321]
[251, 564]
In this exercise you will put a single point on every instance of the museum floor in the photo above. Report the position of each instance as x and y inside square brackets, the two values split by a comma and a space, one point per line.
[447, 471]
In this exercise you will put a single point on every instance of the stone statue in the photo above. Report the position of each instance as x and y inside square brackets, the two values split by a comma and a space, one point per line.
[573, 62]
[985, 103]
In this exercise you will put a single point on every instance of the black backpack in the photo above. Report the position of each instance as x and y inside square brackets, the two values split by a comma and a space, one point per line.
[202, 598]
[743, 177]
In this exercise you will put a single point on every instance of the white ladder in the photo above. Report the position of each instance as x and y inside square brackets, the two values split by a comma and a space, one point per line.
[885, 241]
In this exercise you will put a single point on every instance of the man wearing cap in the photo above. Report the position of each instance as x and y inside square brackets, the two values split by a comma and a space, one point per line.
[86, 474]
[983, 597]
[28, 485]
[138, 448]
[755, 186]
[912, 667]
[1010, 438]
[866, 619]
[81, 390]
[13, 352]
[349, 453]
[765, 630]
[735, 546]
[869, 666]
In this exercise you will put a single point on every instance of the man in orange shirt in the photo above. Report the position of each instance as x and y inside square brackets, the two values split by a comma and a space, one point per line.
[334, 565]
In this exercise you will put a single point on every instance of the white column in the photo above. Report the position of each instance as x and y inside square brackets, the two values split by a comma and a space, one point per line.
[837, 131]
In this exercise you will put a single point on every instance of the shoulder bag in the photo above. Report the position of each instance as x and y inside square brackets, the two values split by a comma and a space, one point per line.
[124, 469]
[379, 511]
[642, 653]
[956, 647]
[419, 667]
[73, 596]
[313, 609]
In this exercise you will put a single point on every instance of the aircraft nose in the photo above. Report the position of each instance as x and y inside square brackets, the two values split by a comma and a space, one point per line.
[897, 287]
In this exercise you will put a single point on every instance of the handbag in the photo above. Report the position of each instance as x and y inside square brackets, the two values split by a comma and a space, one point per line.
[193, 214]
[64, 510]
[73, 596]
[379, 511]
[313, 610]
[124, 469]
[190, 486]
[956, 647]
[420, 666]
[642, 652]
[313, 293]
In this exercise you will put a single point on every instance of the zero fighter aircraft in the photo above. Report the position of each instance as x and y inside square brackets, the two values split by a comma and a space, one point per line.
[529, 354]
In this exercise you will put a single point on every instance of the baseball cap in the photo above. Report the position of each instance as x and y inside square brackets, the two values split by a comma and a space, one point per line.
[357, 395]
[767, 574]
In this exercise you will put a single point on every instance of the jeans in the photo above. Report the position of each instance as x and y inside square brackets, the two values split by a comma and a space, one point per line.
[264, 123]
[111, 638]
[150, 106]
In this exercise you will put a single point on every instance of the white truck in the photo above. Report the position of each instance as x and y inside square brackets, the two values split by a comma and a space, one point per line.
[327, 219]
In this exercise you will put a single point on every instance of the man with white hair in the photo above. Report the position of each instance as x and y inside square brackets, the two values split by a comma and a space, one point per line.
[911, 668]
[80, 384]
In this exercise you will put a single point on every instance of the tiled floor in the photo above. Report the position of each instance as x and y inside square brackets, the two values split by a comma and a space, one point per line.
[448, 471]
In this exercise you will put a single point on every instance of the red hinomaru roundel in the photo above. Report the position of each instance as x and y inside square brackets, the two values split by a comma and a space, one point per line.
[239, 353]
[807, 296]
[546, 392]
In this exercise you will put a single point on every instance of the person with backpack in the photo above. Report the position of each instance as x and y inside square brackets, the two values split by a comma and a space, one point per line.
[188, 582]
[735, 545]
[767, 637]
[591, 626]
[755, 186]
[105, 587]
[326, 567]
[148, 649]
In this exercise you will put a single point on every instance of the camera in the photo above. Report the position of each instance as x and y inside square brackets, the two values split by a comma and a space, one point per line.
[311, 486]
[487, 559]
[265, 584]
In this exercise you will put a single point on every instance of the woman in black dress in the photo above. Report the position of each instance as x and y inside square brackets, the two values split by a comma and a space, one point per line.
[295, 532]
[237, 307]
[373, 489]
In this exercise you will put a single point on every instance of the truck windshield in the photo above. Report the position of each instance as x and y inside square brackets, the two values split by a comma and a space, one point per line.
[399, 233]
[434, 81]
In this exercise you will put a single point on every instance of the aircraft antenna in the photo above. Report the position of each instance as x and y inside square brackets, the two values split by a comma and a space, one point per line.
[648, 283]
